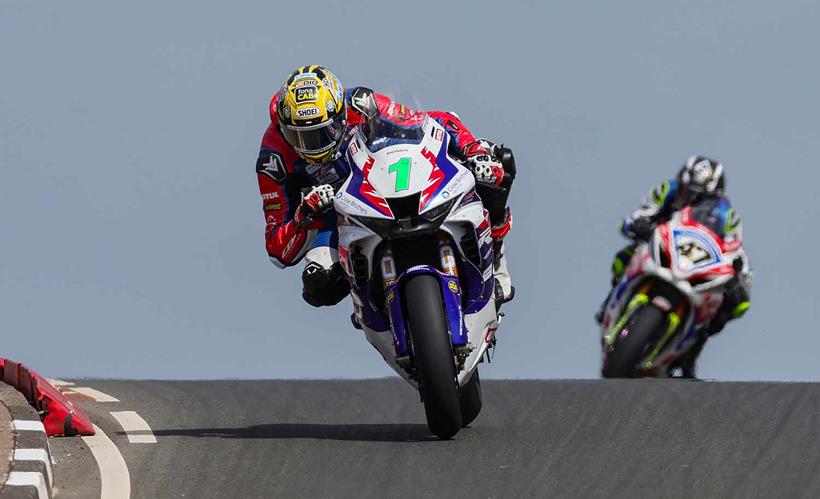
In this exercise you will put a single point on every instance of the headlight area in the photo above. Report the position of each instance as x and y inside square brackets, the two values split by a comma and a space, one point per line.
[440, 212]
[380, 226]
[407, 227]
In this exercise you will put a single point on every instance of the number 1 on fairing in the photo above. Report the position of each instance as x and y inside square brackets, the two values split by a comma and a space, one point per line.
[402, 170]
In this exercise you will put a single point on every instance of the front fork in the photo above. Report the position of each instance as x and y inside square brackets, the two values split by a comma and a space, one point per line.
[673, 317]
[451, 297]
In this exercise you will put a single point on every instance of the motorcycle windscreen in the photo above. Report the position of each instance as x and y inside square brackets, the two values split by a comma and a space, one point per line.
[381, 132]
[717, 215]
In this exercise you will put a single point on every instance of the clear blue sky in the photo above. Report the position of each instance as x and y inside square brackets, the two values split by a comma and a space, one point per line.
[130, 222]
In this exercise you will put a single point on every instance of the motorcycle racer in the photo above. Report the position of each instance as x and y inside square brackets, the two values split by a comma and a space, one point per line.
[301, 164]
[699, 183]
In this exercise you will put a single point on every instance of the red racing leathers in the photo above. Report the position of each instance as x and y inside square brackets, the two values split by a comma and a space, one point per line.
[282, 174]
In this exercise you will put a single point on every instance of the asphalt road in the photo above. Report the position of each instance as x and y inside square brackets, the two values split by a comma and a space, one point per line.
[318, 439]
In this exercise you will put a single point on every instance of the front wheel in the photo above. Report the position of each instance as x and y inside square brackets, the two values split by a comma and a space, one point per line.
[433, 353]
[633, 342]
[471, 399]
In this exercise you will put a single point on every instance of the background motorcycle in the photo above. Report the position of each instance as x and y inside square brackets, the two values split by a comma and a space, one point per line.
[414, 240]
[672, 288]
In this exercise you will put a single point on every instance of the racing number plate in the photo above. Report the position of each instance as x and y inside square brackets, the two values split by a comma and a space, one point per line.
[694, 250]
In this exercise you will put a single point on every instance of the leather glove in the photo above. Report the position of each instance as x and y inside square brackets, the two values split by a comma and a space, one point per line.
[314, 204]
[641, 229]
[481, 160]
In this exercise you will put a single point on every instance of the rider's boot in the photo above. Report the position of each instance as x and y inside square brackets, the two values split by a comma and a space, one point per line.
[689, 360]
[735, 303]
[504, 290]
[619, 264]
[599, 315]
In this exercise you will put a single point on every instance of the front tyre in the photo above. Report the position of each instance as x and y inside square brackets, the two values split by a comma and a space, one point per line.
[433, 353]
[470, 399]
[642, 329]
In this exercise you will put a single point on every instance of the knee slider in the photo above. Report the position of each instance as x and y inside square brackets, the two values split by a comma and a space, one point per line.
[740, 310]
[324, 286]
[621, 261]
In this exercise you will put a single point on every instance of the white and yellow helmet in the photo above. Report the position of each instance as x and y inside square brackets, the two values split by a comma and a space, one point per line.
[701, 176]
[312, 113]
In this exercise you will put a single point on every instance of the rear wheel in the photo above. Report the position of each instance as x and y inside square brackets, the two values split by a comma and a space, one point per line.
[470, 399]
[433, 354]
[642, 330]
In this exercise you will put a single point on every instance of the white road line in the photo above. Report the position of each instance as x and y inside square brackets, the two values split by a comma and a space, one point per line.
[29, 479]
[114, 477]
[26, 425]
[58, 382]
[135, 427]
[95, 394]
[35, 455]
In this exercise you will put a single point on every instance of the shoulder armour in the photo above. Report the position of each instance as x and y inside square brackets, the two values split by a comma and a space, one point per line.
[271, 164]
[363, 101]
[663, 192]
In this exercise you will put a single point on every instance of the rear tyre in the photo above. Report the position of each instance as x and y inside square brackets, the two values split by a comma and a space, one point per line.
[470, 399]
[433, 354]
[643, 329]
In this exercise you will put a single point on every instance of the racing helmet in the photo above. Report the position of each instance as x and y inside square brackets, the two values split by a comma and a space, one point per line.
[311, 112]
[701, 176]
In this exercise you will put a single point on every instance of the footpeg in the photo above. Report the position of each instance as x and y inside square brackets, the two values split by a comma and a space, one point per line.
[462, 352]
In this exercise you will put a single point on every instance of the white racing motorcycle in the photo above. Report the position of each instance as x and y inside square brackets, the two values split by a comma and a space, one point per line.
[672, 287]
[414, 240]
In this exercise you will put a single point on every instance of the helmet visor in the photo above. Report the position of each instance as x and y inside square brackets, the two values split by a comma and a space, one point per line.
[314, 139]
